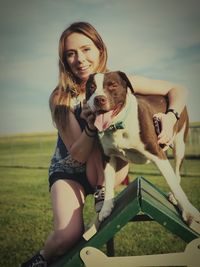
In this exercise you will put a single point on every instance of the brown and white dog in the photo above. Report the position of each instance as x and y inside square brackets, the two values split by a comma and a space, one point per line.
[126, 130]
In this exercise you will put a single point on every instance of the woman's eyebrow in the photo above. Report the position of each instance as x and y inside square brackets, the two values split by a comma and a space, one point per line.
[83, 46]
[68, 50]
[86, 45]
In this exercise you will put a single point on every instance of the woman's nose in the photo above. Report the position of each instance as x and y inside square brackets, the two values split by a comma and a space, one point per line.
[80, 56]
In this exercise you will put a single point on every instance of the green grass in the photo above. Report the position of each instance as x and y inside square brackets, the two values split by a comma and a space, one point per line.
[25, 209]
[27, 150]
[25, 213]
[26, 218]
[34, 151]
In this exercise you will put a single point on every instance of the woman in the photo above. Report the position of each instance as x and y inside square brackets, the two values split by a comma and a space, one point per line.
[76, 166]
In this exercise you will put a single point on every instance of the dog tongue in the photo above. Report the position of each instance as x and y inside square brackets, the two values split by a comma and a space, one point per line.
[103, 121]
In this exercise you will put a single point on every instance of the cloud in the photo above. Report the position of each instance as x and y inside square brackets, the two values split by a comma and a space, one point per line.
[20, 118]
[38, 73]
[159, 40]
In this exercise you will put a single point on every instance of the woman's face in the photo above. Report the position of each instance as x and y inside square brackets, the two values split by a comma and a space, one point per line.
[82, 55]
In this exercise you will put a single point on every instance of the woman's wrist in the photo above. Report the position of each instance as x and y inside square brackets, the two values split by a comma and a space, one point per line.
[90, 132]
[91, 128]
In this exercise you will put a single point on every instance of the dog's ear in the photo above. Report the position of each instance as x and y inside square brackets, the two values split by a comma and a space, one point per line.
[88, 85]
[126, 79]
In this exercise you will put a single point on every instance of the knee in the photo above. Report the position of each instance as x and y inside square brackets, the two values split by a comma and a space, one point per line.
[65, 240]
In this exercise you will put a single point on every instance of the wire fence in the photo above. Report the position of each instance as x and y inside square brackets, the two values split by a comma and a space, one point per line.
[193, 142]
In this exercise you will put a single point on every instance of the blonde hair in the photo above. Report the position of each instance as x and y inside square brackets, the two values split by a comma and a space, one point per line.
[68, 85]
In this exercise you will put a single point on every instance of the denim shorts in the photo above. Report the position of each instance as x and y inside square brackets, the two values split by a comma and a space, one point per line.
[80, 178]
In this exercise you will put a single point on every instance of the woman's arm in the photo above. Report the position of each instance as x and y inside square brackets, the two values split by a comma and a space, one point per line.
[79, 143]
[177, 96]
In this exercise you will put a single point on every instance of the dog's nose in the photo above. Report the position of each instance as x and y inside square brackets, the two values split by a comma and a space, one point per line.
[100, 100]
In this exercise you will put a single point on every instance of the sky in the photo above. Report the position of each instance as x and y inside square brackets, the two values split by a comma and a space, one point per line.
[159, 39]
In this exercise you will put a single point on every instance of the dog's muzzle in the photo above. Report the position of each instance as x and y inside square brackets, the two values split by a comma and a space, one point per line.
[100, 101]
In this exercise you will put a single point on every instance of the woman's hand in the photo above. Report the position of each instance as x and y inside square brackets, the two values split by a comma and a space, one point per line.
[88, 115]
[167, 128]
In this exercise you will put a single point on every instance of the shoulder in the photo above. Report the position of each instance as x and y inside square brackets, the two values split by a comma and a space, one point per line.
[62, 114]
[54, 98]
[58, 98]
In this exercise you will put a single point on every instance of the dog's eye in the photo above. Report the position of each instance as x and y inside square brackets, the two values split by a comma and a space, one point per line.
[112, 84]
[92, 87]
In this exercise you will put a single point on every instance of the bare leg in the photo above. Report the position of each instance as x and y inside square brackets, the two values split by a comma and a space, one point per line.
[121, 171]
[95, 168]
[96, 177]
[67, 202]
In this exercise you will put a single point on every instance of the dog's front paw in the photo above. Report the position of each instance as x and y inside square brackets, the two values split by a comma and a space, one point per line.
[190, 214]
[188, 211]
[106, 209]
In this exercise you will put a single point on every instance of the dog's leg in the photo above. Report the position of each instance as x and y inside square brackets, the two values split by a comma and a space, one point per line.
[108, 204]
[189, 212]
[179, 152]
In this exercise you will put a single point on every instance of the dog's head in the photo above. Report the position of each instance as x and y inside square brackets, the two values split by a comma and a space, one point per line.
[106, 93]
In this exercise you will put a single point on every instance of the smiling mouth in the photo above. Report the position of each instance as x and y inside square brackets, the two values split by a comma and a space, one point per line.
[83, 68]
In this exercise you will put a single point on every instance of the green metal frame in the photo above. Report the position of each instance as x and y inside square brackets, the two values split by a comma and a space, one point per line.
[140, 197]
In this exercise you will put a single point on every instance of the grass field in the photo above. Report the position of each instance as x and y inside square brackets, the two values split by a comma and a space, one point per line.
[25, 209]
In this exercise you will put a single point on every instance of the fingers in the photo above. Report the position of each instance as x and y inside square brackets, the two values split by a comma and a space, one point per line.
[87, 115]
[90, 119]
[164, 138]
[86, 111]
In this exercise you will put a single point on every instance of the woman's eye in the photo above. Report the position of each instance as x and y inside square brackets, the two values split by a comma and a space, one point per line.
[87, 49]
[70, 54]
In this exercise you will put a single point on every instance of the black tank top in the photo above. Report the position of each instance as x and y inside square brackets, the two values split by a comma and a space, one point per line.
[62, 160]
